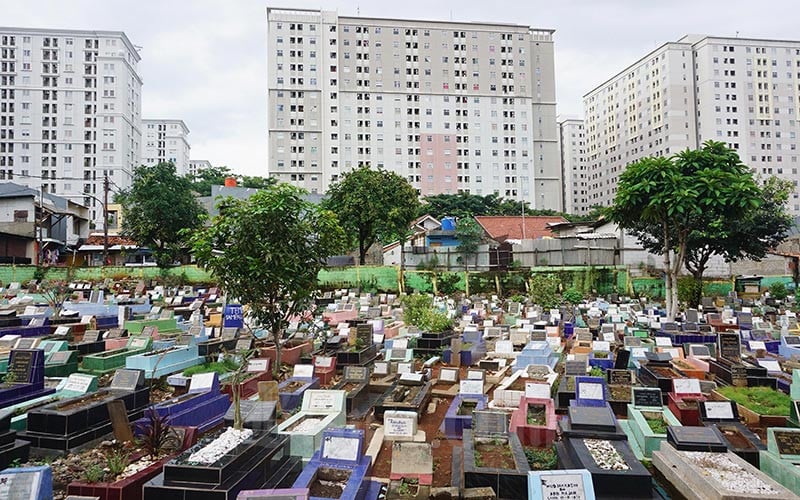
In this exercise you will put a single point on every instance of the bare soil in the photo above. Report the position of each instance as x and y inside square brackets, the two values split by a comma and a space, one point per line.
[734, 437]
[495, 456]
[84, 401]
[666, 372]
[329, 483]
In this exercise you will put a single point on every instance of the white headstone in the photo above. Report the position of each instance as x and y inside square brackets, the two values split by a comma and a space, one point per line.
[341, 448]
[78, 383]
[686, 385]
[399, 425]
[663, 342]
[257, 365]
[303, 371]
[601, 345]
[537, 390]
[504, 347]
[718, 410]
[471, 387]
[201, 382]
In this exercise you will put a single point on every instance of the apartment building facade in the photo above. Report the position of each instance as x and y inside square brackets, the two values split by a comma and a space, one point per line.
[572, 148]
[743, 92]
[166, 141]
[453, 107]
[70, 111]
[197, 166]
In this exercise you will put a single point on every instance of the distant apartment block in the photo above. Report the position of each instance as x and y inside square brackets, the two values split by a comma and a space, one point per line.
[452, 106]
[70, 111]
[572, 147]
[743, 92]
[197, 166]
[165, 141]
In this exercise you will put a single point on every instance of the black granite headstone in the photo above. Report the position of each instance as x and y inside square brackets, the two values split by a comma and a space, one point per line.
[647, 397]
[623, 357]
[91, 336]
[20, 366]
[788, 442]
[619, 377]
[695, 439]
[598, 418]
[730, 346]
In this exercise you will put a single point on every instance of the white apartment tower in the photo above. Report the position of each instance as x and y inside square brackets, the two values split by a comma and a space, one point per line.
[197, 166]
[452, 106]
[572, 146]
[743, 92]
[70, 111]
[165, 141]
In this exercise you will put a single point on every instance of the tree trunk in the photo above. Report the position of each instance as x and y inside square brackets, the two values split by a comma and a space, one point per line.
[276, 337]
[667, 271]
[697, 293]
[362, 252]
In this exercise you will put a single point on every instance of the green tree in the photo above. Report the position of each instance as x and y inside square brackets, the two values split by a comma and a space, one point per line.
[662, 200]
[469, 234]
[156, 208]
[372, 205]
[256, 182]
[212, 176]
[267, 251]
[749, 236]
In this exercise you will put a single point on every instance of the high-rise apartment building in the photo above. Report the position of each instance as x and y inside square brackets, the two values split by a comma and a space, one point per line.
[572, 147]
[165, 141]
[452, 106]
[197, 166]
[70, 111]
[743, 92]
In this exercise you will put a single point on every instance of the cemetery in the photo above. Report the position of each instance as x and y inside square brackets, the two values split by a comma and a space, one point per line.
[498, 402]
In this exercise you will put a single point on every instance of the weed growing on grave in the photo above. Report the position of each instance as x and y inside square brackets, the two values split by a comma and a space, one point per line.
[157, 435]
[541, 458]
[17, 462]
[596, 371]
[117, 461]
[93, 474]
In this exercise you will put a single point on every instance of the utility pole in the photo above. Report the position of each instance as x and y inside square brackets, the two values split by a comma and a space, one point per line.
[39, 250]
[105, 219]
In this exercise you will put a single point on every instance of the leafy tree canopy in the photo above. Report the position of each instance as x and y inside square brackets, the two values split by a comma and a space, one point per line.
[267, 251]
[469, 205]
[373, 206]
[469, 234]
[663, 200]
[156, 208]
[215, 176]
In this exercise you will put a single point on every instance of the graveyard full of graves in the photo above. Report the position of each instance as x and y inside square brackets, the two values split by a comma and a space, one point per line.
[137, 390]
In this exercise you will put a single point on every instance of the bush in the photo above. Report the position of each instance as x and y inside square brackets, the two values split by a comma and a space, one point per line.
[414, 306]
[778, 291]
[688, 289]
[572, 295]
[544, 290]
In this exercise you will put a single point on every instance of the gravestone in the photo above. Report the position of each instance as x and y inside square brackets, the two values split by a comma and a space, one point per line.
[255, 414]
[647, 397]
[699, 351]
[27, 483]
[20, 366]
[448, 375]
[730, 346]
[623, 357]
[268, 391]
[619, 377]
[490, 423]
[592, 418]
[119, 420]
[575, 367]
[689, 438]
[569, 484]
[91, 336]
[399, 425]
[127, 380]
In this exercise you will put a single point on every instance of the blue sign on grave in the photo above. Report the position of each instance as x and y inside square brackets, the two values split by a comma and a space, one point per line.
[28, 483]
[233, 316]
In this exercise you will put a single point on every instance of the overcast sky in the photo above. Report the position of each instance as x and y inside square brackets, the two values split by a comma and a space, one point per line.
[205, 61]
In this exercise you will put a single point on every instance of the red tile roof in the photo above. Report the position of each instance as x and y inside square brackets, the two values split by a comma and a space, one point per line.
[501, 228]
[97, 239]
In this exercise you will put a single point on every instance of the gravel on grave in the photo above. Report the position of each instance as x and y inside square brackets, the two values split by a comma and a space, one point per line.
[605, 455]
[729, 475]
[225, 442]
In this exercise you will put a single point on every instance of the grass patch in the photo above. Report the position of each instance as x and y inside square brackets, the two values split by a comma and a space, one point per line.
[220, 367]
[657, 425]
[541, 458]
[762, 400]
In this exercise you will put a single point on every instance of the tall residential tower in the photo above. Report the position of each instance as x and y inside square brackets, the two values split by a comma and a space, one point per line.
[743, 92]
[70, 111]
[452, 106]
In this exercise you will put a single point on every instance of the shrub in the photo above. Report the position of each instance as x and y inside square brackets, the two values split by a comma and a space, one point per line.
[778, 291]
